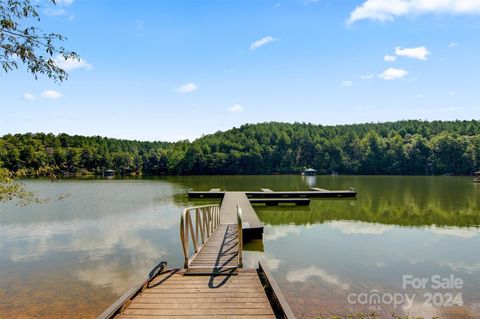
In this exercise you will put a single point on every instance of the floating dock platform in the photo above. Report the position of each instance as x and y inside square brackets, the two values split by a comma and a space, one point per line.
[252, 226]
[267, 193]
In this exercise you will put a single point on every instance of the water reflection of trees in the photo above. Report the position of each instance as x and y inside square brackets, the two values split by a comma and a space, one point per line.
[400, 200]
[408, 201]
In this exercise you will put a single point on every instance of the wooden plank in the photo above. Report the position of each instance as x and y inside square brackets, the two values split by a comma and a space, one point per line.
[211, 291]
[200, 305]
[266, 190]
[200, 299]
[219, 254]
[198, 317]
[199, 312]
[209, 271]
[191, 296]
[215, 190]
[206, 281]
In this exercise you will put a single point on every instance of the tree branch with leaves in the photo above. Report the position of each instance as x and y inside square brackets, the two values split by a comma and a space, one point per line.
[22, 42]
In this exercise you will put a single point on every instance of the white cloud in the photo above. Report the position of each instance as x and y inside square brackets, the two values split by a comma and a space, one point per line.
[55, 12]
[72, 64]
[347, 83]
[389, 58]
[450, 109]
[366, 76]
[58, 10]
[392, 74]
[51, 94]
[453, 44]
[262, 42]
[301, 275]
[187, 88]
[420, 53]
[29, 97]
[387, 10]
[64, 2]
[236, 108]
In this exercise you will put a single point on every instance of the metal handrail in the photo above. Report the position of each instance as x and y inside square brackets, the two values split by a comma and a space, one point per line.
[240, 236]
[207, 218]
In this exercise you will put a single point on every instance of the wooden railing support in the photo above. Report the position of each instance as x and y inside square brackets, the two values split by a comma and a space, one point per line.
[207, 218]
[240, 236]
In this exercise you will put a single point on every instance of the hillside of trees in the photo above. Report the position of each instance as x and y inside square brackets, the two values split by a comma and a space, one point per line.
[403, 147]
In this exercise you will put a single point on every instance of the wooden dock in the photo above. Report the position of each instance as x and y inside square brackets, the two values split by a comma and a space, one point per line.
[213, 283]
[268, 193]
[174, 295]
[252, 226]
[171, 293]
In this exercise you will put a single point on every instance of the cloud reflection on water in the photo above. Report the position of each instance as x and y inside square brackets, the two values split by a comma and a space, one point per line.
[95, 239]
[302, 274]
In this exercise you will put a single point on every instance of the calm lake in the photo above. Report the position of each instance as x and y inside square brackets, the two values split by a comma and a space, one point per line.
[73, 257]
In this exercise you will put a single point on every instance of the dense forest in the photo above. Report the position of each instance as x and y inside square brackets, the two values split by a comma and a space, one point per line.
[403, 147]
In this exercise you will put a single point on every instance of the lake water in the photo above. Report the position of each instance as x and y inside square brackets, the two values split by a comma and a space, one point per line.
[73, 257]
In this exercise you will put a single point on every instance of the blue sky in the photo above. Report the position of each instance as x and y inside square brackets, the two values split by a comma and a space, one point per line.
[170, 70]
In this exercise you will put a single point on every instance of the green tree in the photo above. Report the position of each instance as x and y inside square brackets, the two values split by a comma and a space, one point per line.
[20, 41]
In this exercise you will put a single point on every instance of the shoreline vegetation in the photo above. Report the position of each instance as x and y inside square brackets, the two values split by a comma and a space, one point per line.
[410, 147]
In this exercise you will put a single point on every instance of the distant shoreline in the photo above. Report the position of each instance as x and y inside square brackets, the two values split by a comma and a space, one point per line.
[393, 148]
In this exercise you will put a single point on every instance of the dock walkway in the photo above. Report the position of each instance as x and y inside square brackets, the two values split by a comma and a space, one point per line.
[213, 283]
[219, 254]
[175, 295]
[252, 226]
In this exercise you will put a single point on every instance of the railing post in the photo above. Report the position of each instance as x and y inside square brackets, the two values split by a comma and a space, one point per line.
[184, 238]
[204, 221]
[190, 227]
[240, 236]
[207, 219]
[199, 222]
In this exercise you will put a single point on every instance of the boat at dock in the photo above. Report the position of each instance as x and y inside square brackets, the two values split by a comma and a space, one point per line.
[309, 172]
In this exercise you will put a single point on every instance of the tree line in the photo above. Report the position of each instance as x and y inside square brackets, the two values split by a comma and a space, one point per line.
[403, 147]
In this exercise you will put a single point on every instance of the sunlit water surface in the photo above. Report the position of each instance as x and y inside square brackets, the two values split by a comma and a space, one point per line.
[73, 257]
